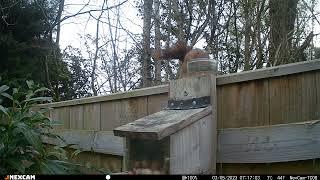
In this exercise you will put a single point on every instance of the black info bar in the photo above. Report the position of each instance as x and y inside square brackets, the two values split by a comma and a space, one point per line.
[163, 177]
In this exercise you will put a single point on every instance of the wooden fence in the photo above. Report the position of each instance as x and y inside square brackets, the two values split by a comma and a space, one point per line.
[268, 97]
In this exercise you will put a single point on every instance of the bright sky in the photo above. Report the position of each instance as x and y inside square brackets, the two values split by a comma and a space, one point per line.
[73, 28]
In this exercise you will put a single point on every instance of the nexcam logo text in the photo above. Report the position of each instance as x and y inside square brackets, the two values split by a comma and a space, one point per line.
[20, 177]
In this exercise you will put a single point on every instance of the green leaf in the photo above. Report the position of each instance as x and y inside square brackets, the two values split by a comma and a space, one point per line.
[15, 91]
[75, 153]
[4, 110]
[30, 135]
[57, 155]
[55, 122]
[3, 88]
[29, 94]
[38, 99]
[41, 89]
[16, 164]
[30, 84]
[7, 95]
[53, 167]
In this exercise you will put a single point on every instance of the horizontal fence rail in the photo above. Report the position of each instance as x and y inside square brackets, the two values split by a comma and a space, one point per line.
[265, 144]
[281, 70]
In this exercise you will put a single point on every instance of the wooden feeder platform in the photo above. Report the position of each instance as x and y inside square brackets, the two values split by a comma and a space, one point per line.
[161, 124]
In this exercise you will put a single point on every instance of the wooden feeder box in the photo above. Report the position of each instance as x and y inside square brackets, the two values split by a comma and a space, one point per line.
[180, 139]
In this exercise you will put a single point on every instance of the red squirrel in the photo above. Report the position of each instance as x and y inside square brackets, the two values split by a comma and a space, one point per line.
[184, 53]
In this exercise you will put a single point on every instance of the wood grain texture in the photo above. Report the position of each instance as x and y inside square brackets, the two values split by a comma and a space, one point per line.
[157, 103]
[86, 140]
[161, 124]
[209, 128]
[293, 98]
[279, 99]
[76, 117]
[219, 107]
[277, 143]
[244, 104]
[110, 115]
[208, 145]
[115, 96]
[91, 116]
[266, 144]
[62, 116]
[185, 150]
[276, 71]
[317, 85]
[117, 113]
[309, 94]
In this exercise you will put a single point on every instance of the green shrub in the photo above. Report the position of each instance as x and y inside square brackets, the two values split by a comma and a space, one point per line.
[21, 129]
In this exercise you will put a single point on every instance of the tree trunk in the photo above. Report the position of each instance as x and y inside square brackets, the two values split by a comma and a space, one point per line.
[157, 42]
[61, 5]
[179, 19]
[213, 40]
[247, 30]
[169, 73]
[146, 64]
[259, 48]
[282, 18]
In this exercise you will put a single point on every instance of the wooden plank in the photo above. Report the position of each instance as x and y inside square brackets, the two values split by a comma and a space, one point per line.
[117, 113]
[115, 96]
[207, 145]
[161, 124]
[243, 103]
[295, 99]
[106, 142]
[81, 139]
[54, 115]
[188, 88]
[277, 143]
[110, 115]
[266, 144]
[63, 115]
[309, 96]
[76, 117]
[91, 116]
[276, 71]
[133, 109]
[219, 107]
[87, 140]
[157, 103]
[275, 86]
[185, 150]
[317, 86]
[210, 130]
